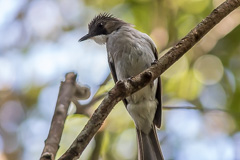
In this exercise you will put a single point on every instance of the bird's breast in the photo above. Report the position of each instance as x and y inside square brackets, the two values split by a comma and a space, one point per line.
[130, 57]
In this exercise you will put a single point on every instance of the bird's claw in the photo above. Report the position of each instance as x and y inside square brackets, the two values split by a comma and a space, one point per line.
[154, 62]
[119, 82]
[130, 79]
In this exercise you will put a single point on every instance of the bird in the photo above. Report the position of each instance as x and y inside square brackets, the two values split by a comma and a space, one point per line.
[129, 53]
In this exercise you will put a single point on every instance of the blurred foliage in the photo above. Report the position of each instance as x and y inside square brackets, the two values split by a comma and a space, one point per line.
[40, 45]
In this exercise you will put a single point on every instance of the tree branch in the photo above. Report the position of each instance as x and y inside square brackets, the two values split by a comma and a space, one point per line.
[122, 89]
[68, 89]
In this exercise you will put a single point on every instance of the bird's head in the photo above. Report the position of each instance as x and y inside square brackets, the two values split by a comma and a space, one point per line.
[101, 26]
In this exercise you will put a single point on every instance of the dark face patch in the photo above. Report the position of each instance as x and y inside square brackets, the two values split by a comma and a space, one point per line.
[98, 28]
[100, 24]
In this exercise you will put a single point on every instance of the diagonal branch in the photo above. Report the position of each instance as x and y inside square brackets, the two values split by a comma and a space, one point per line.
[122, 89]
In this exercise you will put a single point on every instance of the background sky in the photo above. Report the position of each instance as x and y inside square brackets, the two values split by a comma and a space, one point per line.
[39, 45]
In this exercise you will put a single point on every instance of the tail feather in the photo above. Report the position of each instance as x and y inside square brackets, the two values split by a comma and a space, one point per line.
[148, 146]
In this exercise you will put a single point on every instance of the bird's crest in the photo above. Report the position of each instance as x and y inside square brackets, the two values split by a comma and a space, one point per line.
[103, 17]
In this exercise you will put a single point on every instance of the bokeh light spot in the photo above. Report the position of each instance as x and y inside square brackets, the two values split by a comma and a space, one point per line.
[208, 69]
[218, 122]
[7, 77]
[184, 86]
[43, 21]
[213, 97]
[11, 115]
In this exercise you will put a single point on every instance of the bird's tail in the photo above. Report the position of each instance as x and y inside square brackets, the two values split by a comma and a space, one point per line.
[148, 146]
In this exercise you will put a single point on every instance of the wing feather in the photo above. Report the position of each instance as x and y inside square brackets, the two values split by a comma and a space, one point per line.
[114, 75]
[158, 115]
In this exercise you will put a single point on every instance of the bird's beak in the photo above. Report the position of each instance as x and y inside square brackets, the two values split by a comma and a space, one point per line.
[87, 36]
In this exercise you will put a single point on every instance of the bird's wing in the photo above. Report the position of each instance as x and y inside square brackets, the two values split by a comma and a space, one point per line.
[158, 115]
[114, 75]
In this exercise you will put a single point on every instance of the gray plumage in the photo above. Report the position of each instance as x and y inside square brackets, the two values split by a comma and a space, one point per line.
[129, 53]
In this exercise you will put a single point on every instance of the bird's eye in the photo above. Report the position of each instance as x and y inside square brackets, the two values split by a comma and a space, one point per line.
[100, 25]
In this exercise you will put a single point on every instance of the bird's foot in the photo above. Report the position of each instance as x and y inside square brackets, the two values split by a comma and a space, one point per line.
[154, 62]
[119, 82]
[130, 79]
[120, 85]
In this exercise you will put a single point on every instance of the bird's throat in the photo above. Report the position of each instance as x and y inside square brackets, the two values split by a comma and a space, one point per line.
[100, 39]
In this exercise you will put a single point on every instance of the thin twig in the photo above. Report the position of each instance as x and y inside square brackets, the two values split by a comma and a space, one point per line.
[94, 100]
[85, 109]
[180, 107]
[81, 109]
[122, 89]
